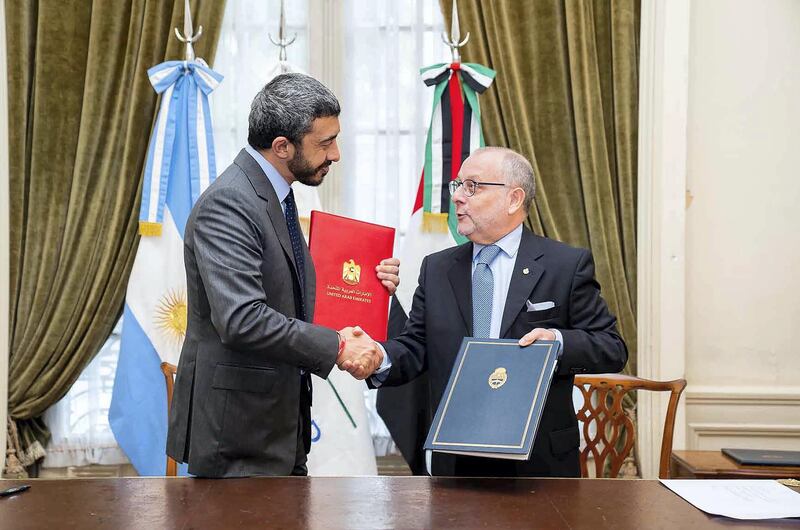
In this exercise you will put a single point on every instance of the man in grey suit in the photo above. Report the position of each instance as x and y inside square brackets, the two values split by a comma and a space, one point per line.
[241, 404]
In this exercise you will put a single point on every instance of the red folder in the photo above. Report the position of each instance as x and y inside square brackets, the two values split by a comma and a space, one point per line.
[345, 253]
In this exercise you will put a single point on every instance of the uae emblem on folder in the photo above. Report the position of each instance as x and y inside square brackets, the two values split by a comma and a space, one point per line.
[351, 273]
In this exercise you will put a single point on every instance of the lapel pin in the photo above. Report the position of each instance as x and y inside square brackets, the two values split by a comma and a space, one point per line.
[526, 270]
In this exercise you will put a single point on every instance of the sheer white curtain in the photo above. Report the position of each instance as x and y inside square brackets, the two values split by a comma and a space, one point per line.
[79, 422]
[247, 58]
[386, 108]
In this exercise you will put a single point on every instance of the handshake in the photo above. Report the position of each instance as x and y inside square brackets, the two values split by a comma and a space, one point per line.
[361, 355]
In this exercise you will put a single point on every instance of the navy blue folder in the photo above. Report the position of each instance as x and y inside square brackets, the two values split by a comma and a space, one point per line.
[494, 399]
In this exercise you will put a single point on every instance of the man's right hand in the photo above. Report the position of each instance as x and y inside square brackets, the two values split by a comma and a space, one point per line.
[361, 356]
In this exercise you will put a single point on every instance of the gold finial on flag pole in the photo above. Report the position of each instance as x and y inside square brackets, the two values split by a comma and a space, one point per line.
[282, 42]
[455, 35]
[188, 36]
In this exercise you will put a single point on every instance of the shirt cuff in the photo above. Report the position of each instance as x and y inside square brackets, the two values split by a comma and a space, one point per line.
[559, 340]
[382, 372]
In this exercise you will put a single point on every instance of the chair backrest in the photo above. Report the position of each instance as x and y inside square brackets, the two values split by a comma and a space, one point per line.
[169, 371]
[614, 432]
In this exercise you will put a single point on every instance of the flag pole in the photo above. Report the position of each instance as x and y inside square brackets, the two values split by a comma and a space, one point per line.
[282, 43]
[455, 35]
[189, 36]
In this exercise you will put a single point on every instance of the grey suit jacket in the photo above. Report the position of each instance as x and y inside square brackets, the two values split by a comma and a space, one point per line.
[236, 408]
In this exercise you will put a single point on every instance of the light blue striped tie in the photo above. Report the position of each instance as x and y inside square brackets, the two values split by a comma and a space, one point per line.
[483, 291]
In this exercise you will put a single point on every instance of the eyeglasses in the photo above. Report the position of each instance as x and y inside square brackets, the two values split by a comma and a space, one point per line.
[470, 186]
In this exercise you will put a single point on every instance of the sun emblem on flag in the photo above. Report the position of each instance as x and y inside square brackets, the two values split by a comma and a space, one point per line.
[171, 315]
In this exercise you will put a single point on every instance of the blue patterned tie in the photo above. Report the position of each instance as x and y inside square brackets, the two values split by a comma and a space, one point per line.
[295, 236]
[483, 291]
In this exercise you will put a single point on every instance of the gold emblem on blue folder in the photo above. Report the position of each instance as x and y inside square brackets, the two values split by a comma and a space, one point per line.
[498, 378]
[351, 273]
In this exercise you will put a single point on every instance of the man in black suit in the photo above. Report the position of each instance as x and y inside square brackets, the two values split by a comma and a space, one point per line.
[539, 289]
[241, 404]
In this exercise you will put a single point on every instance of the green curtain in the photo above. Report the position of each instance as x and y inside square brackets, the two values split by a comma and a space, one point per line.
[566, 96]
[80, 113]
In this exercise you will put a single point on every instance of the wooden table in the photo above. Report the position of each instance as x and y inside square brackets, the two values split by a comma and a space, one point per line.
[713, 464]
[367, 502]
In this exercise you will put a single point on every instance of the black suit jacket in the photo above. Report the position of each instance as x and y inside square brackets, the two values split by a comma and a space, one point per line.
[441, 316]
[240, 406]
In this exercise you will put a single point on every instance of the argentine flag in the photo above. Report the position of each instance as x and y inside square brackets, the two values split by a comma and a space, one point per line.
[180, 165]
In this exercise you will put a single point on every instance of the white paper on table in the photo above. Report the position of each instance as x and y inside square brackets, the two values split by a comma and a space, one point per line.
[739, 499]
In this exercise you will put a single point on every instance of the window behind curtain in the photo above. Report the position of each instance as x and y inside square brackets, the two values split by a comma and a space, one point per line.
[79, 422]
[246, 57]
[387, 108]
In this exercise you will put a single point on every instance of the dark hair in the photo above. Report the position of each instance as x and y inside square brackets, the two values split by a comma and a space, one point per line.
[287, 106]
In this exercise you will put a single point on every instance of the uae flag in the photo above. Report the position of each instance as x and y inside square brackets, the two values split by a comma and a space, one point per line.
[454, 133]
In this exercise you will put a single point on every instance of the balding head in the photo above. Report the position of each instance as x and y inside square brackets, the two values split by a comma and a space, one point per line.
[512, 168]
[495, 196]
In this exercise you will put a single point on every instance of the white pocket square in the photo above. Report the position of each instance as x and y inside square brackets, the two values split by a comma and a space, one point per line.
[539, 306]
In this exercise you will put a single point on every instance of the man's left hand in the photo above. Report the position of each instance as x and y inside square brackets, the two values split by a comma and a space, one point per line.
[537, 334]
[389, 274]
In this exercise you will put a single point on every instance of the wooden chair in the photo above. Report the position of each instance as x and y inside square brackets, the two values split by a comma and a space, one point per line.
[602, 406]
[169, 371]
